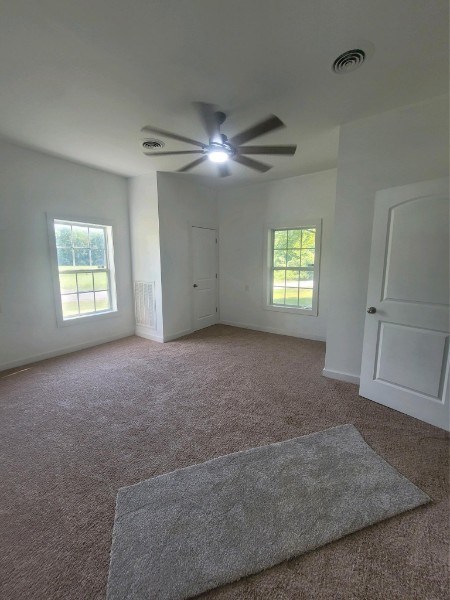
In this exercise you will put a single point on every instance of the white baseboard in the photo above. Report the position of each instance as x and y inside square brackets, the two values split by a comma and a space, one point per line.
[341, 376]
[148, 334]
[306, 336]
[67, 350]
[178, 334]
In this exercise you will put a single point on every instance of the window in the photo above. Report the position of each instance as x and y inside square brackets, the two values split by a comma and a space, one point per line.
[294, 268]
[85, 271]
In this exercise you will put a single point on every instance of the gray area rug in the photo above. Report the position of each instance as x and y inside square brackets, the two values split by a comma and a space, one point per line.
[203, 526]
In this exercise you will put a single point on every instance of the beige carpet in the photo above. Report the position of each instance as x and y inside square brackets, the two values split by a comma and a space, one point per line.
[76, 428]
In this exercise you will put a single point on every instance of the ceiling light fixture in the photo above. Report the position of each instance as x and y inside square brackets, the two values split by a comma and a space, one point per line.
[220, 152]
[218, 156]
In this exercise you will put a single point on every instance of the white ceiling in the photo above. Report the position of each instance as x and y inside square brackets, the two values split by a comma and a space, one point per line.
[80, 78]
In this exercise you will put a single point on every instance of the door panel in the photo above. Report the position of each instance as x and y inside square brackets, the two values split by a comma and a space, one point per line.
[405, 352]
[411, 358]
[417, 270]
[204, 271]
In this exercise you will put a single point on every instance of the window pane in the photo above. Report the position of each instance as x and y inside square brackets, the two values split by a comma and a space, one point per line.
[306, 279]
[68, 283]
[85, 282]
[293, 258]
[292, 278]
[279, 258]
[102, 301]
[278, 295]
[308, 258]
[97, 238]
[63, 234]
[98, 258]
[81, 258]
[69, 304]
[279, 278]
[64, 257]
[308, 238]
[100, 281]
[80, 236]
[305, 300]
[83, 268]
[292, 296]
[86, 302]
[280, 238]
[293, 267]
[294, 238]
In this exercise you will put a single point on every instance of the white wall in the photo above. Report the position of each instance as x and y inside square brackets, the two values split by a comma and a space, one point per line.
[32, 183]
[182, 204]
[244, 214]
[402, 146]
[145, 249]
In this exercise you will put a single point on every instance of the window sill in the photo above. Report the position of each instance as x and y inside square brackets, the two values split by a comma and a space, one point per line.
[291, 309]
[83, 319]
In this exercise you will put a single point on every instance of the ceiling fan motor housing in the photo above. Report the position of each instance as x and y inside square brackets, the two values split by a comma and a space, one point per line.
[220, 117]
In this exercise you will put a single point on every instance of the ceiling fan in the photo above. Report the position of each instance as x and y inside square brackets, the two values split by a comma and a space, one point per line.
[219, 148]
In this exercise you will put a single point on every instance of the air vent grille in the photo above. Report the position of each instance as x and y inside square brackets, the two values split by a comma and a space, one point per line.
[144, 304]
[152, 144]
[349, 61]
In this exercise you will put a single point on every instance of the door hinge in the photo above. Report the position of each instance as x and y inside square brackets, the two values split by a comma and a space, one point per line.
[216, 308]
[216, 240]
[216, 275]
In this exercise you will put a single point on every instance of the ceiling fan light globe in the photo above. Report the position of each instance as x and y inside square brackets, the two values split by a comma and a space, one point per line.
[218, 156]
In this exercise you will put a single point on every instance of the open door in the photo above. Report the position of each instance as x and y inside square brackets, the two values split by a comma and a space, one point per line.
[405, 362]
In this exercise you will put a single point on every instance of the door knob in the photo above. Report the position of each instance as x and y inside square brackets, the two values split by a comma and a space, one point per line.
[195, 285]
[371, 310]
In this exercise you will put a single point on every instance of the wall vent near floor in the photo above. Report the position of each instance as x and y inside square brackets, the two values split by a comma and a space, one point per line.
[145, 304]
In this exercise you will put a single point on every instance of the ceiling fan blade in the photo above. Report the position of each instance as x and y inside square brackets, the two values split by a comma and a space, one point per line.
[209, 121]
[223, 169]
[174, 136]
[269, 124]
[193, 164]
[252, 164]
[285, 150]
[174, 152]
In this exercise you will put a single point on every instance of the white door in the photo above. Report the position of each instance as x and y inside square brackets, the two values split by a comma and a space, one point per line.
[204, 274]
[405, 362]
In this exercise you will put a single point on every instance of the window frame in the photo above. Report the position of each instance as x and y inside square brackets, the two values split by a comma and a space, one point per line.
[108, 227]
[268, 267]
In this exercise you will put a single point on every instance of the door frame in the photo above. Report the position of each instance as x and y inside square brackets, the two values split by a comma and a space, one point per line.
[191, 273]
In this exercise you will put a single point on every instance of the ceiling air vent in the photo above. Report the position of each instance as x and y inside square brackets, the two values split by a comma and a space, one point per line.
[349, 61]
[151, 144]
